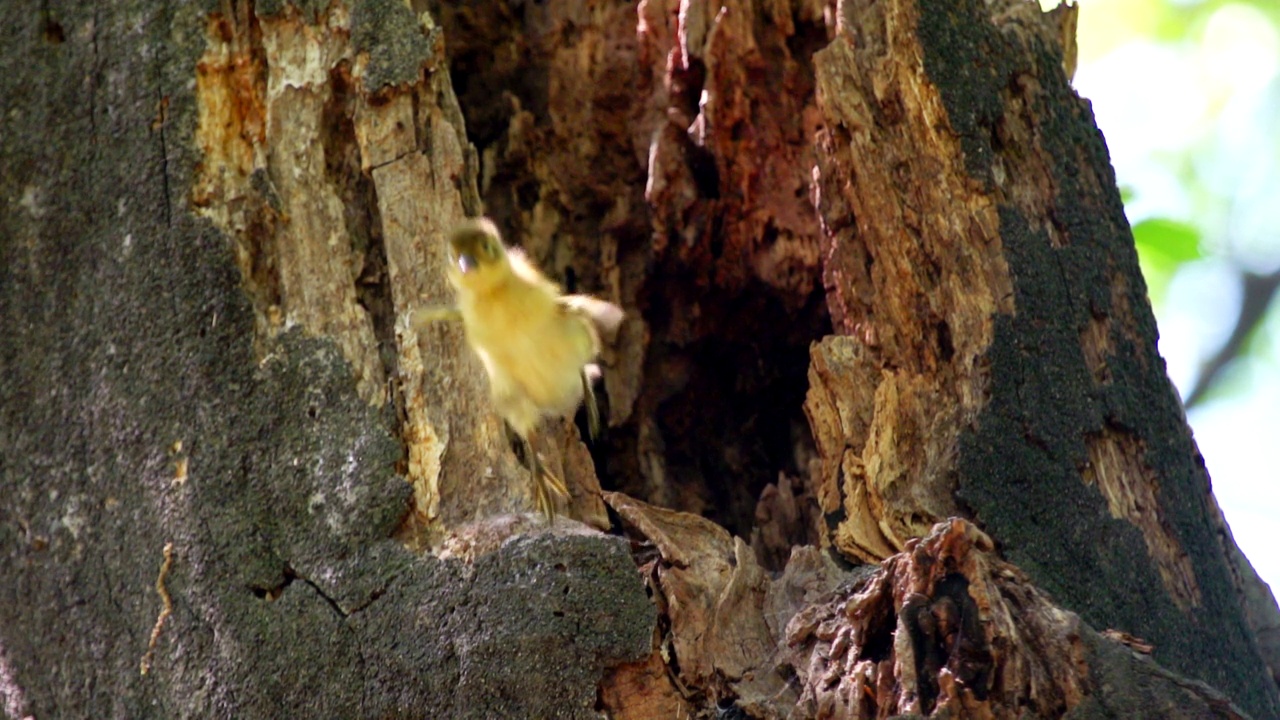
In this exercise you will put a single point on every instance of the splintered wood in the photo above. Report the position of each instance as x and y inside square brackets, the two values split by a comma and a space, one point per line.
[944, 625]
[663, 160]
[914, 275]
[336, 190]
[944, 628]
[722, 612]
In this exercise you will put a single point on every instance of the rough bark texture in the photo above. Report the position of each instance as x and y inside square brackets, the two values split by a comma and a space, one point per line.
[216, 218]
[334, 155]
[993, 284]
[198, 291]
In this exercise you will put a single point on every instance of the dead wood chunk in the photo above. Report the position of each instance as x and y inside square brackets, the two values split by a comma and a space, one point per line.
[943, 628]
[712, 588]
[580, 477]
[944, 624]
[947, 629]
[642, 691]
[723, 612]
[885, 442]
[787, 517]
[811, 575]
[842, 383]
[860, 534]
[681, 538]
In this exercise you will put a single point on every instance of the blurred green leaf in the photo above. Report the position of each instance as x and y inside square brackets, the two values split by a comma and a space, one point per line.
[1169, 240]
[1164, 244]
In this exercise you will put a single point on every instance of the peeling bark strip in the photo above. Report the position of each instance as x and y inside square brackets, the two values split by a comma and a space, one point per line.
[1000, 358]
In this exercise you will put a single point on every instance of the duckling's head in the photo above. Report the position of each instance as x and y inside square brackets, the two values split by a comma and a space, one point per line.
[477, 257]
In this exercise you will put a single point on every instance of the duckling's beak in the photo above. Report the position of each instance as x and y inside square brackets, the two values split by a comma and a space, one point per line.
[466, 263]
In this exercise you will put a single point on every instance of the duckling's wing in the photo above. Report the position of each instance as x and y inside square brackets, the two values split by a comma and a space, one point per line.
[603, 314]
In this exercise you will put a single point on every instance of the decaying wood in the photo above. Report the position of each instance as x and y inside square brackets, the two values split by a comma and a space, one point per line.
[915, 278]
[982, 277]
[661, 154]
[227, 208]
[722, 611]
[943, 629]
[943, 625]
[726, 157]
[787, 517]
[318, 167]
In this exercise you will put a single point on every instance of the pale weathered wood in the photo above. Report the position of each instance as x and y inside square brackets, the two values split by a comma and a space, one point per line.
[945, 626]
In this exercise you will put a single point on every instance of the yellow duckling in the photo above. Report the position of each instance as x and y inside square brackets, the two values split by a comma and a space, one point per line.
[537, 345]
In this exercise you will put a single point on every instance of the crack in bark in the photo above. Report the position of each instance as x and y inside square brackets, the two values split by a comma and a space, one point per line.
[329, 600]
[94, 77]
[164, 166]
[161, 60]
[373, 596]
[290, 575]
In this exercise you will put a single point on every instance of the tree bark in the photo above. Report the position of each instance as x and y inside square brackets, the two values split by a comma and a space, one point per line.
[883, 308]
[226, 211]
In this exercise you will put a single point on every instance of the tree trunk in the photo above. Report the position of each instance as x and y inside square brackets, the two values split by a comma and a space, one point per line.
[883, 308]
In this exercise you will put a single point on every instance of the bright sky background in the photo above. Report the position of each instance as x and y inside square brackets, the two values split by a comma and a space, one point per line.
[1187, 94]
